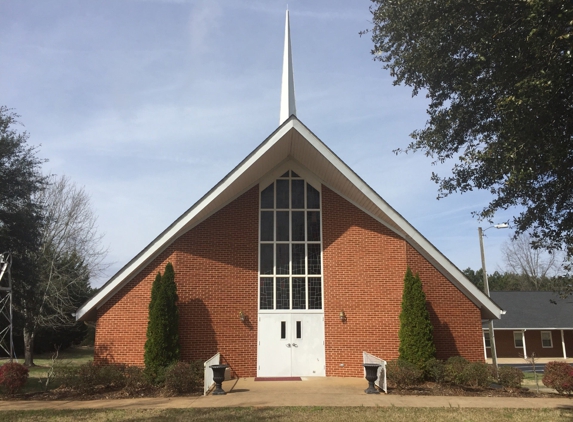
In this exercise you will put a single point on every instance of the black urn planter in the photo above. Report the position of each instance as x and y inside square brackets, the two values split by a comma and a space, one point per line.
[218, 377]
[371, 375]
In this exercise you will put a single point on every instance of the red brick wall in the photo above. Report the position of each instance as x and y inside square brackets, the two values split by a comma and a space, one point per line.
[456, 320]
[216, 267]
[505, 346]
[364, 268]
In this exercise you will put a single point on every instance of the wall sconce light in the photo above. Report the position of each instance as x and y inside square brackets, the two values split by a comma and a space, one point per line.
[342, 316]
[242, 316]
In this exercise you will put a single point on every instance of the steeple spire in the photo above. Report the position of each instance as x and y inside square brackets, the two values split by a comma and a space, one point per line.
[288, 105]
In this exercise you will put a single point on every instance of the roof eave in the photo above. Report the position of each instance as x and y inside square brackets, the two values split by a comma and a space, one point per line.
[489, 310]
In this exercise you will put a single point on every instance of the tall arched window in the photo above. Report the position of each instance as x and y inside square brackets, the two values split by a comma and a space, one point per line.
[290, 254]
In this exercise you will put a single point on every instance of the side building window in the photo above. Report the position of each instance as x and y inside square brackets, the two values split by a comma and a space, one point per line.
[290, 245]
[486, 339]
[546, 340]
[518, 339]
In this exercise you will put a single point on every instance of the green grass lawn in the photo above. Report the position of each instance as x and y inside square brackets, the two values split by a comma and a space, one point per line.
[308, 414]
[531, 376]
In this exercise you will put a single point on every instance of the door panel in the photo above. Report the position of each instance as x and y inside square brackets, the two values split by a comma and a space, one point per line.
[274, 353]
[291, 345]
[308, 350]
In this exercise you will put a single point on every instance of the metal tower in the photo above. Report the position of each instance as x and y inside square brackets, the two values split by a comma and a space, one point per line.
[6, 342]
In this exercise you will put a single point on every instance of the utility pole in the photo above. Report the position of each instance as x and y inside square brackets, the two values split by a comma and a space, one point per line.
[486, 290]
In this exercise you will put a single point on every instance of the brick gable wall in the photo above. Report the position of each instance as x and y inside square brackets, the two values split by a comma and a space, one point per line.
[216, 271]
[456, 320]
[216, 267]
[364, 267]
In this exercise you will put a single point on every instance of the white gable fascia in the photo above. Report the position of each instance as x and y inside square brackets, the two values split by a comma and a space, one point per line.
[408, 232]
[193, 217]
[180, 226]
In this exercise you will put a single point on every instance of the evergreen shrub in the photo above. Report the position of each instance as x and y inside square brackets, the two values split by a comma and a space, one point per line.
[416, 331]
[162, 345]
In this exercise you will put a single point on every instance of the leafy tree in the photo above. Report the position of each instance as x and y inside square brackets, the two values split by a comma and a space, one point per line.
[20, 214]
[497, 281]
[509, 281]
[162, 345]
[416, 331]
[499, 76]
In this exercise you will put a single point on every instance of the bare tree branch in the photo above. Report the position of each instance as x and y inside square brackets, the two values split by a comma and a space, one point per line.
[533, 264]
[70, 254]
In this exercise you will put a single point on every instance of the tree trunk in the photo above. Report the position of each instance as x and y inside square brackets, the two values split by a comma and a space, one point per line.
[28, 347]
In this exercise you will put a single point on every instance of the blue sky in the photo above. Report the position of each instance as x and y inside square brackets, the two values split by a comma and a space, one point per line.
[149, 103]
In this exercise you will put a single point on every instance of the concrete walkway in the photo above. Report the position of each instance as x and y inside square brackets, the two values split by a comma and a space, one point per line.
[246, 392]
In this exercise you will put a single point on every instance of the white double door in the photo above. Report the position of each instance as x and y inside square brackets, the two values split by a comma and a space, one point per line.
[291, 344]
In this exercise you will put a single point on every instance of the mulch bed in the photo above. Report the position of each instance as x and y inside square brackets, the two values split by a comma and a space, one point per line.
[433, 389]
[97, 393]
[426, 389]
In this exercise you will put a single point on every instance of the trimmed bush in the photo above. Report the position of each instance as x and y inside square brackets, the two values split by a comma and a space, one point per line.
[135, 380]
[559, 375]
[13, 377]
[454, 370]
[477, 375]
[183, 377]
[65, 375]
[93, 375]
[459, 371]
[435, 370]
[88, 376]
[510, 378]
[403, 373]
[416, 331]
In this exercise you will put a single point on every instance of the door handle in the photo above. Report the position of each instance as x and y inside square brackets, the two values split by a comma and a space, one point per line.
[295, 345]
[288, 345]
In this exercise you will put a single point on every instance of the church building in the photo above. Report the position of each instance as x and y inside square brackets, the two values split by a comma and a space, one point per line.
[290, 266]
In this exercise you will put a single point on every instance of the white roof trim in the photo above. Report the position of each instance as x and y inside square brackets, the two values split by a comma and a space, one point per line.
[198, 213]
[174, 231]
[409, 232]
[527, 329]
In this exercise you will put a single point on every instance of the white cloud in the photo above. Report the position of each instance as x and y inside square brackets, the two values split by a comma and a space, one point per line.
[204, 20]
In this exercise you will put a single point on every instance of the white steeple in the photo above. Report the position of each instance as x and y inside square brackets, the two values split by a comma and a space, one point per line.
[288, 105]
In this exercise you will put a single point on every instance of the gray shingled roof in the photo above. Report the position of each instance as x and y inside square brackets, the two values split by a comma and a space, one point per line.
[533, 310]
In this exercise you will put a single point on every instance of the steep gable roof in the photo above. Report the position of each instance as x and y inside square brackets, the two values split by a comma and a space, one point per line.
[292, 141]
